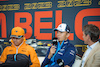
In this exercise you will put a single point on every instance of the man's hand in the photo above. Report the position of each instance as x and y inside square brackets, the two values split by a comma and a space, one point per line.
[1, 62]
[52, 51]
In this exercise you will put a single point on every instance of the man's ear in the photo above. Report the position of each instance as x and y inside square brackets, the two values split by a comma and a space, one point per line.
[11, 40]
[88, 37]
[24, 38]
[68, 34]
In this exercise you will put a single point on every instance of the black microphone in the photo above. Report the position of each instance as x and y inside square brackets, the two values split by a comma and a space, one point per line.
[54, 41]
[60, 62]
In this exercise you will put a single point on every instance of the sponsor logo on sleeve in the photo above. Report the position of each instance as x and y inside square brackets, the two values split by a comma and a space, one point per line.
[72, 52]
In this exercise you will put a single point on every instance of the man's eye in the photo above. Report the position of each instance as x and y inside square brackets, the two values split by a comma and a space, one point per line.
[14, 38]
[59, 32]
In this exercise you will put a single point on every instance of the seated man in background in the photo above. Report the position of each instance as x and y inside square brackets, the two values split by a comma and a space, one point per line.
[19, 54]
[91, 57]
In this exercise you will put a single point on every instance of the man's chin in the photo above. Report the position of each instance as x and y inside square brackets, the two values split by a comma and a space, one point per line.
[85, 43]
[16, 44]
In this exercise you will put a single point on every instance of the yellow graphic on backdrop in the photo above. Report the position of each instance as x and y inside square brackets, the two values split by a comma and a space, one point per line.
[9, 7]
[39, 5]
[71, 3]
[44, 5]
[84, 47]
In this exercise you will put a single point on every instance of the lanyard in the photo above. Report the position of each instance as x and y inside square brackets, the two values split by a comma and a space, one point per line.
[58, 48]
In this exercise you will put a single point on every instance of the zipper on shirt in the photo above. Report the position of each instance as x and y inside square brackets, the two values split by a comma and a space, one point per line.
[15, 56]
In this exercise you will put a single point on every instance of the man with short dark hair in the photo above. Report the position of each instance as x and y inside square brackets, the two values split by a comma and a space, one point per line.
[91, 57]
[19, 54]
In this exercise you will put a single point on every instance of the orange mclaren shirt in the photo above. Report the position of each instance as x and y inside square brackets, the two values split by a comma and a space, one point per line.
[24, 49]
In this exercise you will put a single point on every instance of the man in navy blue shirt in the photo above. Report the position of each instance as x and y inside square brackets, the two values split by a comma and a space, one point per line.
[63, 54]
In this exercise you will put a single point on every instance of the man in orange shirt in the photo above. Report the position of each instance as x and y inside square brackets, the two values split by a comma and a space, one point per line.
[19, 54]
